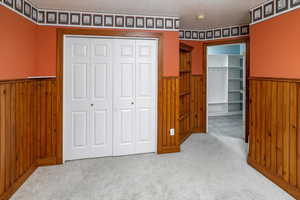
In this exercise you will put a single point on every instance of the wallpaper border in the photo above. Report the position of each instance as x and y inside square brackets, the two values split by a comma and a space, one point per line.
[214, 34]
[272, 8]
[49, 17]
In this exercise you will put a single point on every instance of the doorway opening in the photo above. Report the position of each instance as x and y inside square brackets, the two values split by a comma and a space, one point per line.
[226, 67]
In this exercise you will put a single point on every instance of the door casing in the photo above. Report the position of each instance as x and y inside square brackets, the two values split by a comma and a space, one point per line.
[244, 40]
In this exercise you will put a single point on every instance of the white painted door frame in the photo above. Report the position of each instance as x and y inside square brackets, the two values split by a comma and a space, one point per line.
[64, 84]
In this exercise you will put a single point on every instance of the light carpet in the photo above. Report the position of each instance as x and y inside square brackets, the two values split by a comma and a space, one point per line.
[210, 167]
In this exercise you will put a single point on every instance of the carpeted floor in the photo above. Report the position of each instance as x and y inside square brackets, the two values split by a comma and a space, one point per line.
[210, 167]
[231, 126]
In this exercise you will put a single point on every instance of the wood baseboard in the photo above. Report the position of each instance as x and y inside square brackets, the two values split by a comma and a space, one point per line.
[174, 149]
[198, 131]
[185, 137]
[295, 192]
[17, 184]
[46, 161]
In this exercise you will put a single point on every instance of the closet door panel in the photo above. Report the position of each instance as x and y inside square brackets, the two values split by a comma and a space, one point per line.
[124, 97]
[124, 138]
[79, 81]
[100, 126]
[79, 146]
[101, 97]
[87, 98]
[145, 88]
[76, 98]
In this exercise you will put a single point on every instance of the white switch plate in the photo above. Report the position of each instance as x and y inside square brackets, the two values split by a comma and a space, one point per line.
[172, 131]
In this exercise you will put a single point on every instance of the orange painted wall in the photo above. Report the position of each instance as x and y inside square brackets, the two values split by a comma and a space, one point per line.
[17, 46]
[46, 51]
[275, 47]
[197, 56]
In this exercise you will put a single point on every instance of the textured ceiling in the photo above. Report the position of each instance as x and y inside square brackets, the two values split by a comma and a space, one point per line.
[218, 13]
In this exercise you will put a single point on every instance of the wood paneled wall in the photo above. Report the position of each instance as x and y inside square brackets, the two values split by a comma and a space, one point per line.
[27, 130]
[274, 145]
[168, 115]
[198, 107]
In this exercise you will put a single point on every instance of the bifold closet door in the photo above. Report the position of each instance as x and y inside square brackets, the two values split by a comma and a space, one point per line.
[109, 97]
[87, 98]
[134, 96]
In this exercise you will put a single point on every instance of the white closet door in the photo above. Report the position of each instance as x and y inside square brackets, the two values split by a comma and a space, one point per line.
[87, 98]
[124, 97]
[101, 98]
[135, 97]
[145, 77]
[109, 97]
[76, 97]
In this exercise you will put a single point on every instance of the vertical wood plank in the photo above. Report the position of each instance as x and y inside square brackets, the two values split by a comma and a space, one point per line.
[13, 133]
[172, 88]
[202, 107]
[2, 140]
[257, 124]
[252, 120]
[279, 129]
[43, 132]
[34, 121]
[8, 136]
[274, 128]
[21, 129]
[48, 119]
[293, 135]
[17, 135]
[54, 117]
[30, 118]
[286, 131]
[39, 120]
[262, 120]
[164, 122]
[268, 113]
[160, 116]
[168, 100]
[193, 110]
[199, 99]
[24, 137]
[298, 136]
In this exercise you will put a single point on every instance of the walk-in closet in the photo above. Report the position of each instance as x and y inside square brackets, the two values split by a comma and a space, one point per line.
[226, 88]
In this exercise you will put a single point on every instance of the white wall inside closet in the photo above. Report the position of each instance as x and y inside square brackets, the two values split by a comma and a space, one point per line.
[109, 97]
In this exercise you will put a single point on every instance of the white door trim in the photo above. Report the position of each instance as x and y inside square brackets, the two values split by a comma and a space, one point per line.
[64, 84]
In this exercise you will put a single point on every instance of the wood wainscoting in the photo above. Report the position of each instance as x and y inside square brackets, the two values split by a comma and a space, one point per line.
[27, 130]
[168, 115]
[198, 107]
[274, 145]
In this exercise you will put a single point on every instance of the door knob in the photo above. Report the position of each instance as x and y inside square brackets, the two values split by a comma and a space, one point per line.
[92, 105]
[132, 103]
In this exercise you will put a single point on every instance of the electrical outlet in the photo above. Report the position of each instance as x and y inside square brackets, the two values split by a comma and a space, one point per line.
[172, 131]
